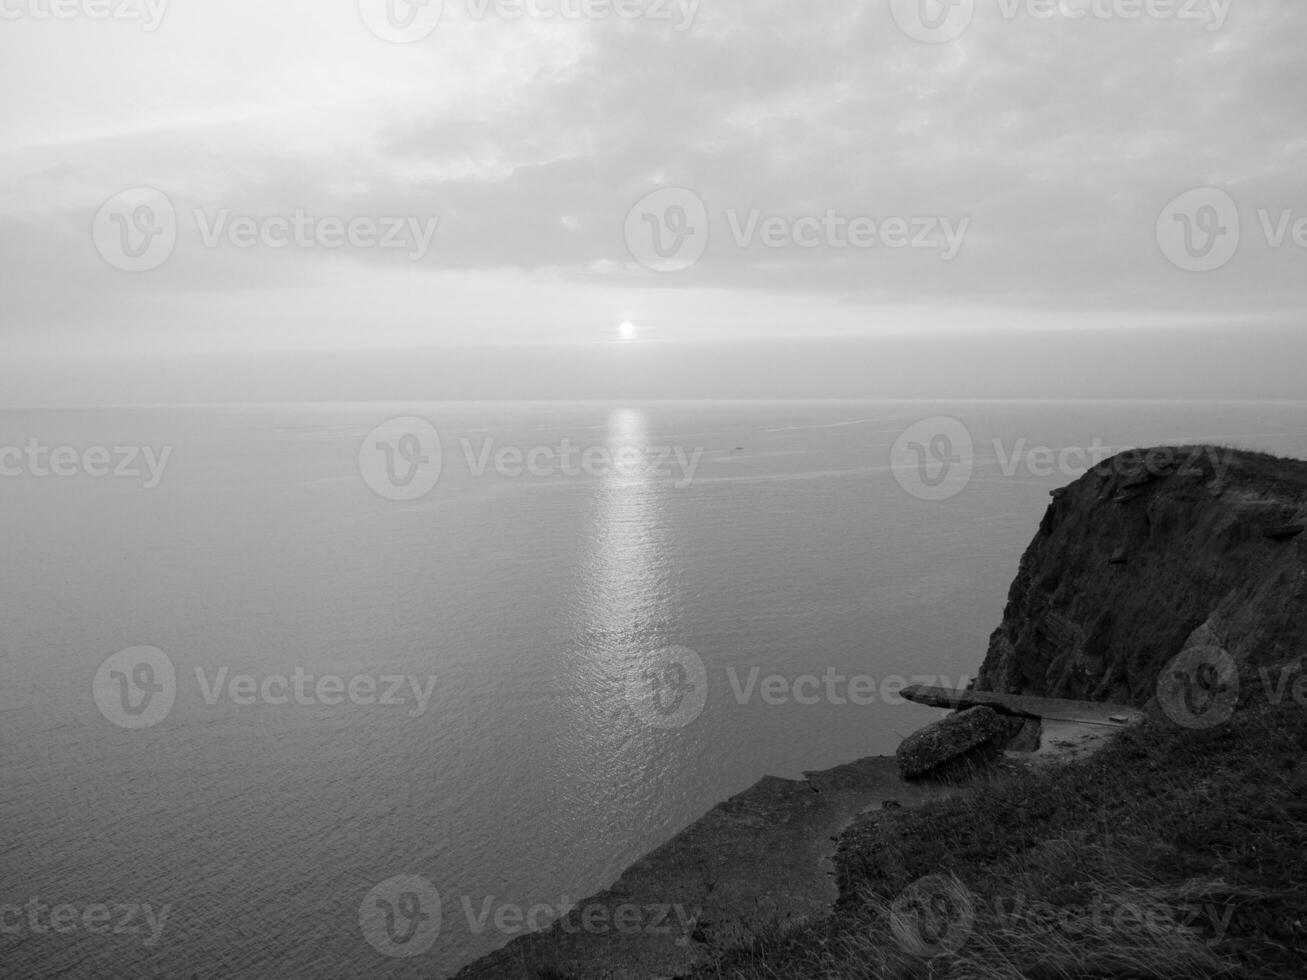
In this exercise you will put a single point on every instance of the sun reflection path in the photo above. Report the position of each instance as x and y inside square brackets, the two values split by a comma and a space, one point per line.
[618, 747]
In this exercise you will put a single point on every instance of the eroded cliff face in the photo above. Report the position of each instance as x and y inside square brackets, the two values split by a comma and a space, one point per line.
[1150, 554]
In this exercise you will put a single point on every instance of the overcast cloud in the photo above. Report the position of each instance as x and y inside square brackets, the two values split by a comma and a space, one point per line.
[1031, 160]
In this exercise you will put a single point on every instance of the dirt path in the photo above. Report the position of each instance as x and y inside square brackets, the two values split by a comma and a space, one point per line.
[759, 860]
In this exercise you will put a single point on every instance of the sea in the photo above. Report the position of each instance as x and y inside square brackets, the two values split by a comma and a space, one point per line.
[343, 690]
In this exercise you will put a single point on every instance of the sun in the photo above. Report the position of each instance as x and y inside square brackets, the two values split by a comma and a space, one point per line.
[628, 331]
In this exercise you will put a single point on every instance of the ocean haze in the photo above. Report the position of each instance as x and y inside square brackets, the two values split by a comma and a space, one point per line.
[1195, 362]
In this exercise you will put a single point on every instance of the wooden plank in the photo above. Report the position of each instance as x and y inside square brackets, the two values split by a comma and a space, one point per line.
[1024, 706]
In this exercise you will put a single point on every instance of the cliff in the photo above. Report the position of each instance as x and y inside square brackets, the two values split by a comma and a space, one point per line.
[1145, 557]
[1149, 555]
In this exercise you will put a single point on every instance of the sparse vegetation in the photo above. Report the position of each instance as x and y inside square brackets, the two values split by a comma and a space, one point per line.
[1172, 854]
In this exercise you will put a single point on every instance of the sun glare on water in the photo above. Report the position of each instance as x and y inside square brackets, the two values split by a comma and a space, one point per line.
[628, 331]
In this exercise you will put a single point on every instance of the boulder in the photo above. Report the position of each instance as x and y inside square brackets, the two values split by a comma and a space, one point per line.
[966, 736]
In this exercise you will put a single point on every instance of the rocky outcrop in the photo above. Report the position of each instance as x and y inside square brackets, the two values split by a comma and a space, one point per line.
[950, 743]
[1149, 555]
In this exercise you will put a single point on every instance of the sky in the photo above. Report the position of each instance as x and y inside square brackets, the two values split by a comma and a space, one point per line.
[319, 199]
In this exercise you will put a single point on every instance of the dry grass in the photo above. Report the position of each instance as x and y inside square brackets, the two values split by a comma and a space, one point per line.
[1172, 855]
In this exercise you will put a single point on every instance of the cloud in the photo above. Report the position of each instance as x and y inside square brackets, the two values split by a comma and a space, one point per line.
[1058, 141]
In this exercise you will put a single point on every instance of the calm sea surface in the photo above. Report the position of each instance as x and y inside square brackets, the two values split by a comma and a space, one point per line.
[522, 771]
